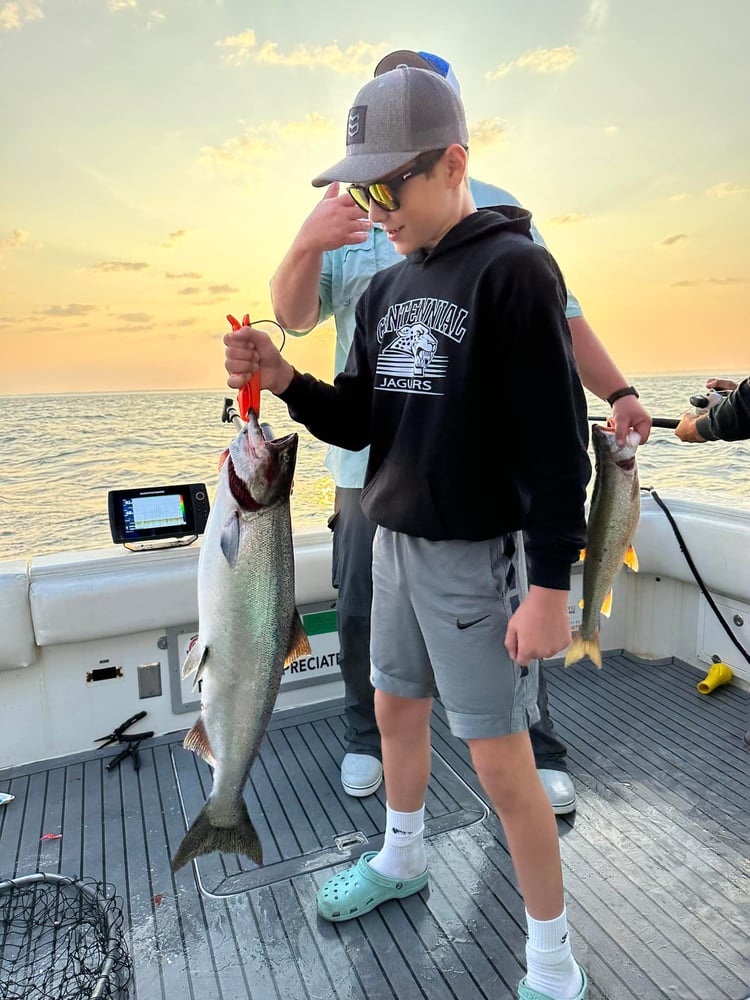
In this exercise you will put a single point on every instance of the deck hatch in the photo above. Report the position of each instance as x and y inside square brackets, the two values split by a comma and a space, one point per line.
[304, 819]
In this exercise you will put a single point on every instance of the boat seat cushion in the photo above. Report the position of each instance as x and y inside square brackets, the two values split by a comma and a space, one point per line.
[99, 595]
[18, 648]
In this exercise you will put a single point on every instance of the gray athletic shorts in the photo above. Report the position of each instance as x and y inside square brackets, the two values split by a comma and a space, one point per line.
[439, 615]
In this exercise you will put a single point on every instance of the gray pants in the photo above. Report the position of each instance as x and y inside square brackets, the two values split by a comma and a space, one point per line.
[352, 576]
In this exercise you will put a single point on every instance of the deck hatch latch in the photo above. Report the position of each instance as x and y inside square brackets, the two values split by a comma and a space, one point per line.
[346, 841]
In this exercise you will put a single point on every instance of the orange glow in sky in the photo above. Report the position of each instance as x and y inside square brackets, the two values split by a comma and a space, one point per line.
[156, 164]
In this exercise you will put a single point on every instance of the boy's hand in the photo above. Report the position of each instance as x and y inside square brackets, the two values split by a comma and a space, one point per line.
[249, 350]
[540, 627]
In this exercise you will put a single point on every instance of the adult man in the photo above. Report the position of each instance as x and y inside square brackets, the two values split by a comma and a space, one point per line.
[728, 420]
[329, 264]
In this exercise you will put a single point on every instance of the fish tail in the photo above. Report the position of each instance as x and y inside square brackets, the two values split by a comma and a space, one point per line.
[203, 837]
[580, 647]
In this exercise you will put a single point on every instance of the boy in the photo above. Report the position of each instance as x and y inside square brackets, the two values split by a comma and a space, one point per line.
[438, 336]
[327, 267]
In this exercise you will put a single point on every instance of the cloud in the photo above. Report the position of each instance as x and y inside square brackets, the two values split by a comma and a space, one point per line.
[13, 15]
[190, 291]
[611, 130]
[174, 238]
[16, 238]
[265, 142]
[136, 317]
[488, 132]
[679, 197]
[73, 309]
[596, 15]
[557, 60]
[358, 58]
[725, 190]
[695, 282]
[116, 5]
[184, 275]
[222, 289]
[671, 240]
[567, 220]
[120, 265]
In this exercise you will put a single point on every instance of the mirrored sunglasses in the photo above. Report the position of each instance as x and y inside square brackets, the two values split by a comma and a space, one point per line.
[385, 193]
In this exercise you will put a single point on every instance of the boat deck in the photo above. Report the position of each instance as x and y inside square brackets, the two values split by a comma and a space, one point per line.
[655, 857]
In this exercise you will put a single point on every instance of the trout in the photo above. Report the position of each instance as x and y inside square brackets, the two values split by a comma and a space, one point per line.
[248, 630]
[613, 518]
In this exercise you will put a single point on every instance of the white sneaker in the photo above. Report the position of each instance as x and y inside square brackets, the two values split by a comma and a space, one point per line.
[560, 790]
[361, 774]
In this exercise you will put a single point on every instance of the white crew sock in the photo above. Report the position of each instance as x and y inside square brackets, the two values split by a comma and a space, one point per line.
[550, 966]
[402, 854]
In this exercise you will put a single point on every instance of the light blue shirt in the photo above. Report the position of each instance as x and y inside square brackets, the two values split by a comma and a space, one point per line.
[345, 275]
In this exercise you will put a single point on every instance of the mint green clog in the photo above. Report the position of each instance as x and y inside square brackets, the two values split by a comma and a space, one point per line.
[527, 993]
[359, 889]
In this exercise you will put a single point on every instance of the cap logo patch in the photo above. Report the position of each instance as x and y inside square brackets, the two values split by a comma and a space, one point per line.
[355, 125]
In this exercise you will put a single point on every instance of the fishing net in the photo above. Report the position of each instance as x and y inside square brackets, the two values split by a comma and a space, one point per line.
[61, 939]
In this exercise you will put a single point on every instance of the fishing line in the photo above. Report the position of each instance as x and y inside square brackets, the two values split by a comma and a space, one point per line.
[694, 570]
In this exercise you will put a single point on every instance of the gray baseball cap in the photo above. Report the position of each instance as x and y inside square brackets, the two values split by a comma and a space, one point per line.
[395, 117]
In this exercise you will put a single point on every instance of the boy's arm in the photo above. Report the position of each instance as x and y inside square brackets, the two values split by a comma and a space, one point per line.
[334, 222]
[549, 427]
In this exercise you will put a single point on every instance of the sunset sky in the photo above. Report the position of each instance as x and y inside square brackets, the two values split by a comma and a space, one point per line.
[156, 158]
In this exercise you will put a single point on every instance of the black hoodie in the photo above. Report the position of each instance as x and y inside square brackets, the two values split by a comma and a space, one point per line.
[461, 378]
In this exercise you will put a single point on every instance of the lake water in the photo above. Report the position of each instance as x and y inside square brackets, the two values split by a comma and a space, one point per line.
[62, 454]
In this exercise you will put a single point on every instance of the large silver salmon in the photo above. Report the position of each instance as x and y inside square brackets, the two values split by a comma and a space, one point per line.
[613, 518]
[248, 628]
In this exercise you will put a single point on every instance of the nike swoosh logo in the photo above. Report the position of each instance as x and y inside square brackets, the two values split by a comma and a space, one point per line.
[460, 624]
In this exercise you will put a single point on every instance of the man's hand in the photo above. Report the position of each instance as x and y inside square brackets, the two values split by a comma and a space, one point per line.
[335, 221]
[628, 413]
[686, 429]
[720, 383]
[540, 627]
[249, 350]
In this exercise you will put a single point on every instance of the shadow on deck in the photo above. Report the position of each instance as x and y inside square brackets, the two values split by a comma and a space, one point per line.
[655, 856]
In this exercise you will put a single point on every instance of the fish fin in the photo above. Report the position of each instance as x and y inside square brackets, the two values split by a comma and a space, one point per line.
[580, 647]
[631, 559]
[197, 740]
[299, 644]
[203, 837]
[606, 608]
[195, 661]
[223, 457]
[230, 539]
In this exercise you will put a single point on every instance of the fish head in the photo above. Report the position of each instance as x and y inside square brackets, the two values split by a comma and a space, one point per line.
[607, 451]
[261, 471]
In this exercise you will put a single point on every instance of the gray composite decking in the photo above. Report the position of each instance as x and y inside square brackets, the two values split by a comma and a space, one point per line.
[655, 857]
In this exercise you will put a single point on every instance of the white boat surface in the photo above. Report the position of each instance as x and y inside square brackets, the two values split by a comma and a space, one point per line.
[655, 856]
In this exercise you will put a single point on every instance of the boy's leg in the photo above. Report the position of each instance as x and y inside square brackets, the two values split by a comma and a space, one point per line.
[506, 769]
[361, 769]
[463, 594]
[401, 664]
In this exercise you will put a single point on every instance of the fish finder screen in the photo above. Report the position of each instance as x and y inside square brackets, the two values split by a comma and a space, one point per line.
[145, 513]
[157, 514]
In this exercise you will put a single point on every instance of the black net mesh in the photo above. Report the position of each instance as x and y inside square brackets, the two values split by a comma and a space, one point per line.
[61, 938]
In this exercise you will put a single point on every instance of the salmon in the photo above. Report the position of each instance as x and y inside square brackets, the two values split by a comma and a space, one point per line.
[248, 629]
